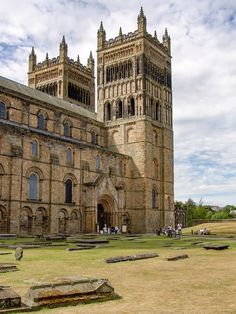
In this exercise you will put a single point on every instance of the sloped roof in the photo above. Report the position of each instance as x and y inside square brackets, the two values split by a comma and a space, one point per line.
[38, 95]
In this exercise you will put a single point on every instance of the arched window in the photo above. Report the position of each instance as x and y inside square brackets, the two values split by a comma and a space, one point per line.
[68, 191]
[155, 168]
[1, 175]
[67, 129]
[69, 156]
[121, 168]
[154, 198]
[108, 111]
[93, 138]
[119, 109]
[151, 109]
[2, 111]
[34, 148]
[131, 107]
[33, 187]
[41, 121]
[157, 116]
[169, 203]
[98, 163]
[155, 138]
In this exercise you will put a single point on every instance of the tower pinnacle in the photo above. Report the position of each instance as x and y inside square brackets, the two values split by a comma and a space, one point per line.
[141, 12]
[101, 29]
[63, 49]
[32, 52]
[91, 62]
[166, 41]
[142, 22]
[32, 60]
[101, 36]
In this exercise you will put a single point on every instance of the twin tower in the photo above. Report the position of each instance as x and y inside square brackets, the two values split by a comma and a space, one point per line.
[134, 101]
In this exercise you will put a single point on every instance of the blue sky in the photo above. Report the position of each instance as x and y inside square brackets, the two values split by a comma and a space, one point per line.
[203, 34]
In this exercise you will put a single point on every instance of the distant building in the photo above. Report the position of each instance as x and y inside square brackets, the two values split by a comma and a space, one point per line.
[215, 208]
[65, 169]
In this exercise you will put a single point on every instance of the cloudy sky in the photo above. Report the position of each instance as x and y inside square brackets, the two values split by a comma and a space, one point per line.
[203, 34]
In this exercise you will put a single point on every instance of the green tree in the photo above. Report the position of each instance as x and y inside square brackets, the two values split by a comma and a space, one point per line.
[190, 206]
[209, 214]
[200, 212]
[220, 215]
[229, 208]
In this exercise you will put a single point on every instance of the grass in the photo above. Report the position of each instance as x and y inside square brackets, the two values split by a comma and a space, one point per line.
[221, 228]
[203, 283]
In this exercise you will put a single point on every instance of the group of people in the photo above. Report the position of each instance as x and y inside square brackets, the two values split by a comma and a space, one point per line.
[171, 231]
[204, 231]
[110, 230]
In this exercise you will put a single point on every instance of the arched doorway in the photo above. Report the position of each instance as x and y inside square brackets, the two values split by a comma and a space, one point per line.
[100, 216]
[107, 212]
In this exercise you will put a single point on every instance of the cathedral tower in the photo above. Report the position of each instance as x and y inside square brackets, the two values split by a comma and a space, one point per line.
[64, 77]
[135, 103]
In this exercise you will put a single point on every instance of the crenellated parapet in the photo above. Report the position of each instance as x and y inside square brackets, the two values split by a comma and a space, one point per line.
[34, 66]
[141, 32]
[126, 38]
[64, 77]
[56, 61]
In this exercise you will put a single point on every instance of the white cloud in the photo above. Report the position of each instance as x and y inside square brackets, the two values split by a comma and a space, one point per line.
[204, 71]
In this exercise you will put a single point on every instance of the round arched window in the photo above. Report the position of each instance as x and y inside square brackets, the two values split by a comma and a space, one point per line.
[33, 187]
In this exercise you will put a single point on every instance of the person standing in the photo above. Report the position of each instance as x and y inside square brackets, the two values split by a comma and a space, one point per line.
[179, 228]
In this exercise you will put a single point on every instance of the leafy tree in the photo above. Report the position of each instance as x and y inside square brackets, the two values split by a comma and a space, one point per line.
[190, 205]
[197, 211]
[220, 215]
[209, 214]
[229, 208]
[200, 212]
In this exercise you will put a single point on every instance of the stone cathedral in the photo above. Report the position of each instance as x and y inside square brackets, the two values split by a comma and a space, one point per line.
[66, 169]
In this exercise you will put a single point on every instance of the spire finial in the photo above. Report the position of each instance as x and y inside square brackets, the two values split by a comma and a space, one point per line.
[142, 22]
[120, 31]
[47, 56]
[32, 60]
[141, 12]
[101, 29]
[32, 51]
[63, 48]
[90, 62]
[166, 41]
[78, 59]
[155, 34]
[101, 36]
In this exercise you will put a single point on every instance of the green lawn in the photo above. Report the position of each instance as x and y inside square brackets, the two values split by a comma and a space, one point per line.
[203, 283]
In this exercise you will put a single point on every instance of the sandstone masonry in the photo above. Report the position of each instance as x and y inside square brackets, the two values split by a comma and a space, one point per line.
[65, 169]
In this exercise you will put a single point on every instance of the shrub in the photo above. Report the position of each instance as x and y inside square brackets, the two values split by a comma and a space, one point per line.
[209, 214]
[220, 215]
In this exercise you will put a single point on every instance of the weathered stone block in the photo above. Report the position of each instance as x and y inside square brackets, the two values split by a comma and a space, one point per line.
[9, 298]
[131, 257]
[7, 267]
[69, 290]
